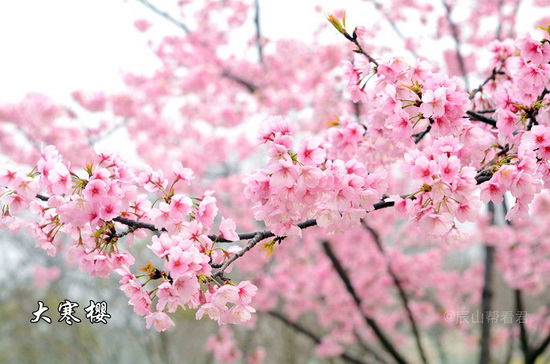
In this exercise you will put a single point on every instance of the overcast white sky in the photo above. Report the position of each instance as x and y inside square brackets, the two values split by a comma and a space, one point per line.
[57, 46]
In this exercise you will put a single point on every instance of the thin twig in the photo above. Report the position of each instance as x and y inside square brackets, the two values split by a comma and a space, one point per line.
[393, 25]
[418, 137]
[540, 349]
[534, 111]
[251, 243]
[165, 15]
[252, 88]
[491, 77]
[523, 339]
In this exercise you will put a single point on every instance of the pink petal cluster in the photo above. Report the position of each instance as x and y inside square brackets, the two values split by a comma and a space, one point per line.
[297, 187]
[443, 187]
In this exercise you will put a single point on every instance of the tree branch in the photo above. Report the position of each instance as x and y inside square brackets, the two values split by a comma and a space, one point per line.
[368, 320]
[399, 286]
[251, 243]
[540, 349]
[478, 117]
[310, 335]
[523, 339]
[491, 77]
[418, 137]
[534, 111]
[248, 85]
[165, 15]
[487, 295]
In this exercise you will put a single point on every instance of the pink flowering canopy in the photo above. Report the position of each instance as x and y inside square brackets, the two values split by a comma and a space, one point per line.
[339, 179]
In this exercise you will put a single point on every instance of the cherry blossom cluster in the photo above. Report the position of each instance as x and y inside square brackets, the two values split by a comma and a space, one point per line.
[519, 100]
[93, 205]
[518, 173]
[443, 187]
[409, 99]
[305, 185]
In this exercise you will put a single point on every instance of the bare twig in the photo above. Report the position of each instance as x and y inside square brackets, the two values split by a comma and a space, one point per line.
[165, 15]
[492, 77]
[540, 349]
[251, 243]
[248, 85]
[393, 25]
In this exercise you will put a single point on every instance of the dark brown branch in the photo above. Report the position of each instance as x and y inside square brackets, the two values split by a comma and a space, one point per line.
[418, 137]
[454, 33]
[251, 243]
[368, 320]
[360, 50]
[478, 117]
[165, 15]
[316, 339]
[136, 224]
[492, 77]
[523, 339]
[487, 296]
[486, 111]
[540, 349]
[532, 114]
[248, 85]
[402, 295]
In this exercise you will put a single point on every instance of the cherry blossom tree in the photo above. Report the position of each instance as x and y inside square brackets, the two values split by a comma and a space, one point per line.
[367, 194]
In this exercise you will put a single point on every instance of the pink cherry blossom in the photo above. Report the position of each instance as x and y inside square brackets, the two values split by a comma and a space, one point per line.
[159, 320]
